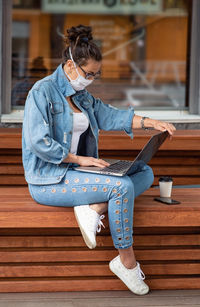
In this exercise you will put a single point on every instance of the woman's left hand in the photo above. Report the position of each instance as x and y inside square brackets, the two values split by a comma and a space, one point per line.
[162, 126]
[152, 123]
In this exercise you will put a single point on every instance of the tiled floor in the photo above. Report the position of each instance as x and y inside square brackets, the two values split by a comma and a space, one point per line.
[156, 298]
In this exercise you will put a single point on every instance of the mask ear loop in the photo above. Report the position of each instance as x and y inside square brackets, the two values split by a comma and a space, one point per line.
[70, 54]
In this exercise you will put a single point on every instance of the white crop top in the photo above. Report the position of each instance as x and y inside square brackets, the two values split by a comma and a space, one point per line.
[80, 125]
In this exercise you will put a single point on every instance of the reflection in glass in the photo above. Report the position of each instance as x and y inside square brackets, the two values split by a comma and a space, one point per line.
[144, 48]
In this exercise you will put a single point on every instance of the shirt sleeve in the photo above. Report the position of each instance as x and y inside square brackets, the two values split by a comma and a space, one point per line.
[36, 127]
[111, 118]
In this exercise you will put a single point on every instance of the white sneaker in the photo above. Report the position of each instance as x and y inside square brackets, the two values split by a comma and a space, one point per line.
[133, 278]
[89, 222]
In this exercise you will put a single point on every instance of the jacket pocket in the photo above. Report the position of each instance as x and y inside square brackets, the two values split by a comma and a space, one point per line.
[56, 107]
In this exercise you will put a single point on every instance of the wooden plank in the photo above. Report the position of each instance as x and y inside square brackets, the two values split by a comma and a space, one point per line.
[170, 160]
[115, 140]
[85, 255]
[179, 191]
[10, 159]
[5, 190]
[102, 241]
[90, 269]
[38, 220]
[6, 169]
[93, 284]
[11, 151]
[57, 219]
[185, 180]
[176, 171]
[12, 180]
[162, 154]
[169, 219]
[111, 140]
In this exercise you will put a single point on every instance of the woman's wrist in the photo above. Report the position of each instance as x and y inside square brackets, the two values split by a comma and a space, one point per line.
[148, 123]
[71, 158]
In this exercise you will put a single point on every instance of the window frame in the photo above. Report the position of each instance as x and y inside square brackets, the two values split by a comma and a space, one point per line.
[194, 62]
[1, 15]
[6, 55]
[193, 81]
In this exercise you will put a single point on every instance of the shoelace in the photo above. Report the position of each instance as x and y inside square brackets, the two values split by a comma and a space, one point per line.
[140, 273]
[100, 223]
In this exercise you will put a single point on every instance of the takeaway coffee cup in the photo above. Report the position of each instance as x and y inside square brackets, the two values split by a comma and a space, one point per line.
[165, 184]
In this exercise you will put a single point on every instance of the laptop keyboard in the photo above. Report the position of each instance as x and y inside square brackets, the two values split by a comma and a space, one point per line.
[119, 166]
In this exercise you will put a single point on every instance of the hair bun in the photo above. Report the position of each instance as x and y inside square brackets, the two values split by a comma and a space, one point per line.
[79, 34]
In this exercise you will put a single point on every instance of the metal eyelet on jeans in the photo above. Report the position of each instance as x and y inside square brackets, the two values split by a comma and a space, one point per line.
[125, 200]
[118, 202]
[117, 221]
[94, 189]
[127, 228]
[117, 211]
[97, 179]
[108, 180]
[118, 230]
[76, 180]
[105, 189]
[126, 220]
[84, 189]
[127, 238]
[73, 190]
[118, 182]
[125, 210]
[66, 181]
[86, 180]
[64, 190]
[114, 190]
[53, 191]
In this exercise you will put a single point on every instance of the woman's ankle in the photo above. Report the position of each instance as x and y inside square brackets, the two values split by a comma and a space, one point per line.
[100, 208]
[128, 263]
[127, 257]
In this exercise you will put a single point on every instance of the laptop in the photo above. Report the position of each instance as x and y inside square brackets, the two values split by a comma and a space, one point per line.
[124, 167]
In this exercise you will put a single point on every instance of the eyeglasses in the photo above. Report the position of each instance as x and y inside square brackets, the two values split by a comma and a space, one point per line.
[89, 75]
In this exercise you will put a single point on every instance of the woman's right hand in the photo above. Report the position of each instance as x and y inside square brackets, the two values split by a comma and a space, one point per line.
[85, 161]
[90, 161]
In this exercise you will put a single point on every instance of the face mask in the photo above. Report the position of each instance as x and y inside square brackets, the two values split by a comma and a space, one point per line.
[80, 82]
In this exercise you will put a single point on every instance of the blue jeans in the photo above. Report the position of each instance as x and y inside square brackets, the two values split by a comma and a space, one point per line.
[79, 188]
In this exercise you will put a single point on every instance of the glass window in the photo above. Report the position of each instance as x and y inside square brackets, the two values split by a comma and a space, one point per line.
[143, 42]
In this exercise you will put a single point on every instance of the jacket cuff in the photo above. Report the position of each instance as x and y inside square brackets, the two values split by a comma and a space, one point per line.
[65, 154]
[128, 122]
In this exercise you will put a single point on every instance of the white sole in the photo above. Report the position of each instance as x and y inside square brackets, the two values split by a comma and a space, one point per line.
[85, 237]
[122, 279]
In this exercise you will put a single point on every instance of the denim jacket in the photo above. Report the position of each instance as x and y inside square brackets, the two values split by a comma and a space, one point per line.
[48, 125]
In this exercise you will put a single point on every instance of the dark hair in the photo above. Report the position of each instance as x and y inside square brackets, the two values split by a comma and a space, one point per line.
[83, 48]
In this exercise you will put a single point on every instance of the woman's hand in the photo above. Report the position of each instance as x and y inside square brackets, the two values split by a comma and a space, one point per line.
[90, 161]
[153, 123]
[85, 161]
[159, 125]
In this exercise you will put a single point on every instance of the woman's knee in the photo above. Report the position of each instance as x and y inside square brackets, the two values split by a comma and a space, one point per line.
[149, 176]
[127, 184]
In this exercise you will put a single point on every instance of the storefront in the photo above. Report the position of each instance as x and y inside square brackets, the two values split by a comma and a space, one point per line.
[149, 52]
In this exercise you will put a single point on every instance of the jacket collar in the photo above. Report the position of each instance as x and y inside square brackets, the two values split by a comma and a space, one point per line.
[59, 78]
[62, 83]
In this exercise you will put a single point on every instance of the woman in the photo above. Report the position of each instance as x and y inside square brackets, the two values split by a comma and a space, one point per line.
[60, 130]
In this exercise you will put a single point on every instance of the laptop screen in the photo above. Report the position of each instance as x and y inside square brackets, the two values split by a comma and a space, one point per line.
[152, 146]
